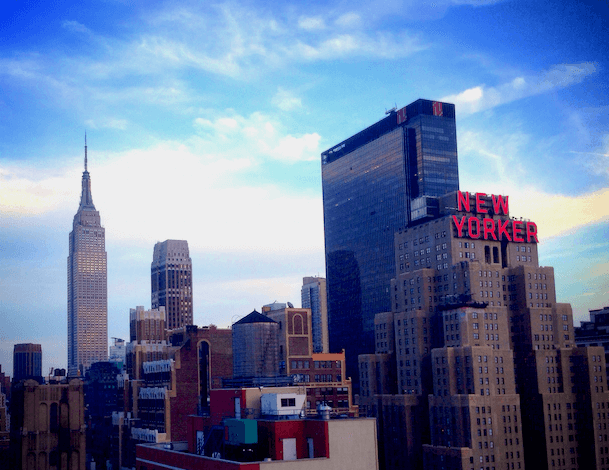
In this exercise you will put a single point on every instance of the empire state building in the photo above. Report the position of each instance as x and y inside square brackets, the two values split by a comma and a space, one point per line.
[87, 285]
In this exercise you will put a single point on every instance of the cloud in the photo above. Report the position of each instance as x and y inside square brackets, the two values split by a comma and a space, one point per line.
[342, 46]
[481, 97]
[501, 162]
[557, 214]
[28, 192]
[209, 189]
[598, 161]
[349, 20]
[107, 123]
[75, 26]
[311, 23]
[286, 100]
[257, 136]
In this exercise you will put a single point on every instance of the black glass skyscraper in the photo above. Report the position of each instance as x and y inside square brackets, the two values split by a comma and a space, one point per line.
[375, 183]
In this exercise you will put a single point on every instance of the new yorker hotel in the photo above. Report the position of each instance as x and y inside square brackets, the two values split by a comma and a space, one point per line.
[374, 183]
[487, 373]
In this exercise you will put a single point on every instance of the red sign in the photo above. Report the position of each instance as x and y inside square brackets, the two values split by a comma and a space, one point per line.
[437, 108]
[481, 226]
[402, 116]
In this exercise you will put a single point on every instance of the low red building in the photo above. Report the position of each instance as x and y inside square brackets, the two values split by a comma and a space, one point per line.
[253, 428]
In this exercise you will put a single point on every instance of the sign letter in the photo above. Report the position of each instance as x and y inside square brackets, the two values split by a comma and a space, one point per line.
[463, 201]
[502, 229]
[479, 202]
[517, 230]
[500, 204]
[459, 225]
[489, 228]
[471, 222]
[532, 232]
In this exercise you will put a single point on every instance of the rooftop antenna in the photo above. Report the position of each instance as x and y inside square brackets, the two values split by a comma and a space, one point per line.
[85, 150]
[392, 110]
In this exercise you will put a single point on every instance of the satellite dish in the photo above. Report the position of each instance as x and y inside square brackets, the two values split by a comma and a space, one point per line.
[290, 305]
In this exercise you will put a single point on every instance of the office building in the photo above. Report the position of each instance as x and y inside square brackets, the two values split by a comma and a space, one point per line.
[171, 279]
[118, 351]
[487, 372]
[48, 425]
[374, 183]
[27, 362]
[595, 332]
[314, 297]
[87, 285]
[322, 374]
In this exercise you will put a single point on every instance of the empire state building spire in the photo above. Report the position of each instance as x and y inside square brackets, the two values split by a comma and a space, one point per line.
[87, 285]
[86, 198]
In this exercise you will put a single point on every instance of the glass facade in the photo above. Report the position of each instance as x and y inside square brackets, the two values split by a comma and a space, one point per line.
[368, 183]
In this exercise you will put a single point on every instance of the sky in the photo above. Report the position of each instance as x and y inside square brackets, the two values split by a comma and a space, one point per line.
[205, 122]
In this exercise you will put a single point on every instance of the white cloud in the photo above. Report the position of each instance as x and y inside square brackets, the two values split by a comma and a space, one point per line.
[598, 161]
[27, 192]
[107, 123]
[481, 97]
[349, 20]
[311, 23]
[286, 100]
[342, 46]
[257, 136]
[75, 26]
[207, 190]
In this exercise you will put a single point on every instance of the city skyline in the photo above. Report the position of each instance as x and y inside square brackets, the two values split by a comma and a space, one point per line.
[234, 128]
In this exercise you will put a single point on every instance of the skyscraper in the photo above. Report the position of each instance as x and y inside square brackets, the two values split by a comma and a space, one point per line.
[171, 281]
[87, 285]
[375, 183]
[313, 296]
[27, 362]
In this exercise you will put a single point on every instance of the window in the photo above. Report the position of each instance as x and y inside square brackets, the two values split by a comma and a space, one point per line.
[288, 402]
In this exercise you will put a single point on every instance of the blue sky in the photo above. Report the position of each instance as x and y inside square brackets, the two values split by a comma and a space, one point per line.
[206, 121]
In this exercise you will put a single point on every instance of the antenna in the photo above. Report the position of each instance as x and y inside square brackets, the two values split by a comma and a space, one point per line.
[85, 150]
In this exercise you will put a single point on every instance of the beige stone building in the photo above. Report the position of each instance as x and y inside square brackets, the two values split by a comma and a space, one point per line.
[48, 426]
[476, 325]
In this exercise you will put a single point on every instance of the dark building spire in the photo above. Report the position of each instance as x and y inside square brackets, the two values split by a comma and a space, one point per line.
[86, 199]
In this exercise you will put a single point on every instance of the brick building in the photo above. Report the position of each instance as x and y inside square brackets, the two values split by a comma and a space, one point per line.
[475, 325]
[243, 431]
[158, 394]
[287, 334]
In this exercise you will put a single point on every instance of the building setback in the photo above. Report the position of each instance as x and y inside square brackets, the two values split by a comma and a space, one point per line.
[487, 372]
[171, 282]
[375, 183]
[87, 285]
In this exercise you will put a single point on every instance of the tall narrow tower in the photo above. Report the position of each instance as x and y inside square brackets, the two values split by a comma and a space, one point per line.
[171, 282]
[87, 285]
